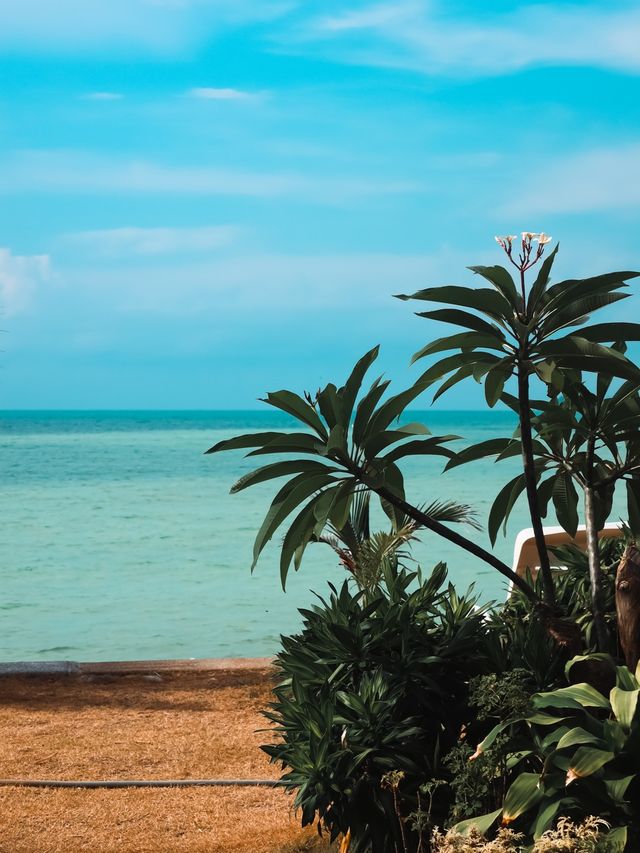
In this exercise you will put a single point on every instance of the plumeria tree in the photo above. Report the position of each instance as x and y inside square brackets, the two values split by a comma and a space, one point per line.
[350, 443]
[512, 330]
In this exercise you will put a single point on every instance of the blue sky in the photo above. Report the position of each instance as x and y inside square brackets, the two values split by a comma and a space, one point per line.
[206, 199]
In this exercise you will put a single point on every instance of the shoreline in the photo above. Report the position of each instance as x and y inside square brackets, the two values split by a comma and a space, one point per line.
[64, 668]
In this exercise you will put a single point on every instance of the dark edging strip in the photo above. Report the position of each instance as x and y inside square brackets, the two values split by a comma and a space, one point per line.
[142, 783]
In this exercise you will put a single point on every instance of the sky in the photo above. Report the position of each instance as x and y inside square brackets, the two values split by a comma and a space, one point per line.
[204, 200]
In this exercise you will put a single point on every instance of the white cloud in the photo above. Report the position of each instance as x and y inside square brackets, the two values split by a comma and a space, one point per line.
[421, 37]
[80, 172]
[103, 96]
[153, 241]
[263, 284]
[594, 180]
[19, 277]
[207, 93]
[123, 27]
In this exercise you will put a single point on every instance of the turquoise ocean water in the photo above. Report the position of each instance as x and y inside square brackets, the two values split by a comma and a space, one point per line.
[121, 541]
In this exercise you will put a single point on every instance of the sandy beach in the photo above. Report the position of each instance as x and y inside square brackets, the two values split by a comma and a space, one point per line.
[158, 724]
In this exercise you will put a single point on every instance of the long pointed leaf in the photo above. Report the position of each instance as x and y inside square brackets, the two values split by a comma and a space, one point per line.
[287, 499]
[501, 279]
[456, 317]
[354, 382]
[280, 469]
[240, 442]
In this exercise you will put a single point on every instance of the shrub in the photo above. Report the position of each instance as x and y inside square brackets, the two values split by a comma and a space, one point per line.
[580, 753]
[373, 692]
[586, 837]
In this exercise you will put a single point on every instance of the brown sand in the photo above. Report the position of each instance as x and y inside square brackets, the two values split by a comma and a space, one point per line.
[177, 725]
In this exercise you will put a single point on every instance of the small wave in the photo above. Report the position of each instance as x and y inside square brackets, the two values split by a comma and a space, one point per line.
[55, 649]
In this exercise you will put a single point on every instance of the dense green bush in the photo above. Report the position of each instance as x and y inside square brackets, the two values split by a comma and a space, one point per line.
[372, 695]
[577, 753]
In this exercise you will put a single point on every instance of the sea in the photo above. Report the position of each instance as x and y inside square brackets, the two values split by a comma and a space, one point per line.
[120, 540]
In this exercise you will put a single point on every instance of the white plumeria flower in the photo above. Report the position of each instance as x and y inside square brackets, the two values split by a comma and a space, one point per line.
[544, 238]
[529, 235]
[506, 240]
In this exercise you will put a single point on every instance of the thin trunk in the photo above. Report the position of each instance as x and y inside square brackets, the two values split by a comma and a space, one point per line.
[628, 605]
[595, 572]
[528, 464]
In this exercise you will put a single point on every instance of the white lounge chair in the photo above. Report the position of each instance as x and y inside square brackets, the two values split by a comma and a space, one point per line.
[525, 553]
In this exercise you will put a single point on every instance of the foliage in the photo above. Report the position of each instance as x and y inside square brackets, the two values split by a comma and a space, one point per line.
[352, 450]
[480, 785]
[523, 640]
[510, 332]
[581, 754]
[374, 687]
[586, 837]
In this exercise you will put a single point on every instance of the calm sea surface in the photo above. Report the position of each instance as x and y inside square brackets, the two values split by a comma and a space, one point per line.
[120, 539]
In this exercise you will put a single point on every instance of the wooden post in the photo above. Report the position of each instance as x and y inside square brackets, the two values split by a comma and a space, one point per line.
[628, 605]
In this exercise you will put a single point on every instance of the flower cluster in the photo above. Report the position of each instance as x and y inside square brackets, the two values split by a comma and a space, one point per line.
[528, 238]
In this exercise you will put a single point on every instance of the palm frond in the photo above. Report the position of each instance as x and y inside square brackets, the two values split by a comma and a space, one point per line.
[452, 512]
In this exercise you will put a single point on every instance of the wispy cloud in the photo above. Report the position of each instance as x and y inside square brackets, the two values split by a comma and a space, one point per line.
[122, 27]
[153, 241]
[598, 179]
[102, 96]
[297, 285]
[422, 37]
[19, 277]
[81, 172]
[208, 93]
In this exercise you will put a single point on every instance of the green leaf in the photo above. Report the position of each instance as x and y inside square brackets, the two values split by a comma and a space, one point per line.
[586, 762]
[482, 824]
[426, 447]
[330, 405]
[545, 817]
[616, 840]
[288, 498]
[565, 502]
[503, 504]
[479, 299]
[456, 377]
[354, 382]
[545, 491]
[523, 794]
[540, 284]
[576, 312]
[294, 442]
[294, 405]
[502, 281]
[495, 379]
[240, 442]
[575, 696]
[617, 787]
[393, 408]
[464, 340]
[280, 469]
[379, 441]
[490, 447]
[577, 736]
[569, 290]
[462, 318]
[624, 704]
[477, 358]
[297, 537]
[366, 407]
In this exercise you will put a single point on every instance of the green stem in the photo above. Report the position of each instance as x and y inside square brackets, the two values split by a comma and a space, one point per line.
[528, 465]
[593, 554]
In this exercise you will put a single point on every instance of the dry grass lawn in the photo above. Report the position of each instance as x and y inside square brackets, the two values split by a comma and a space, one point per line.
[186, 725]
